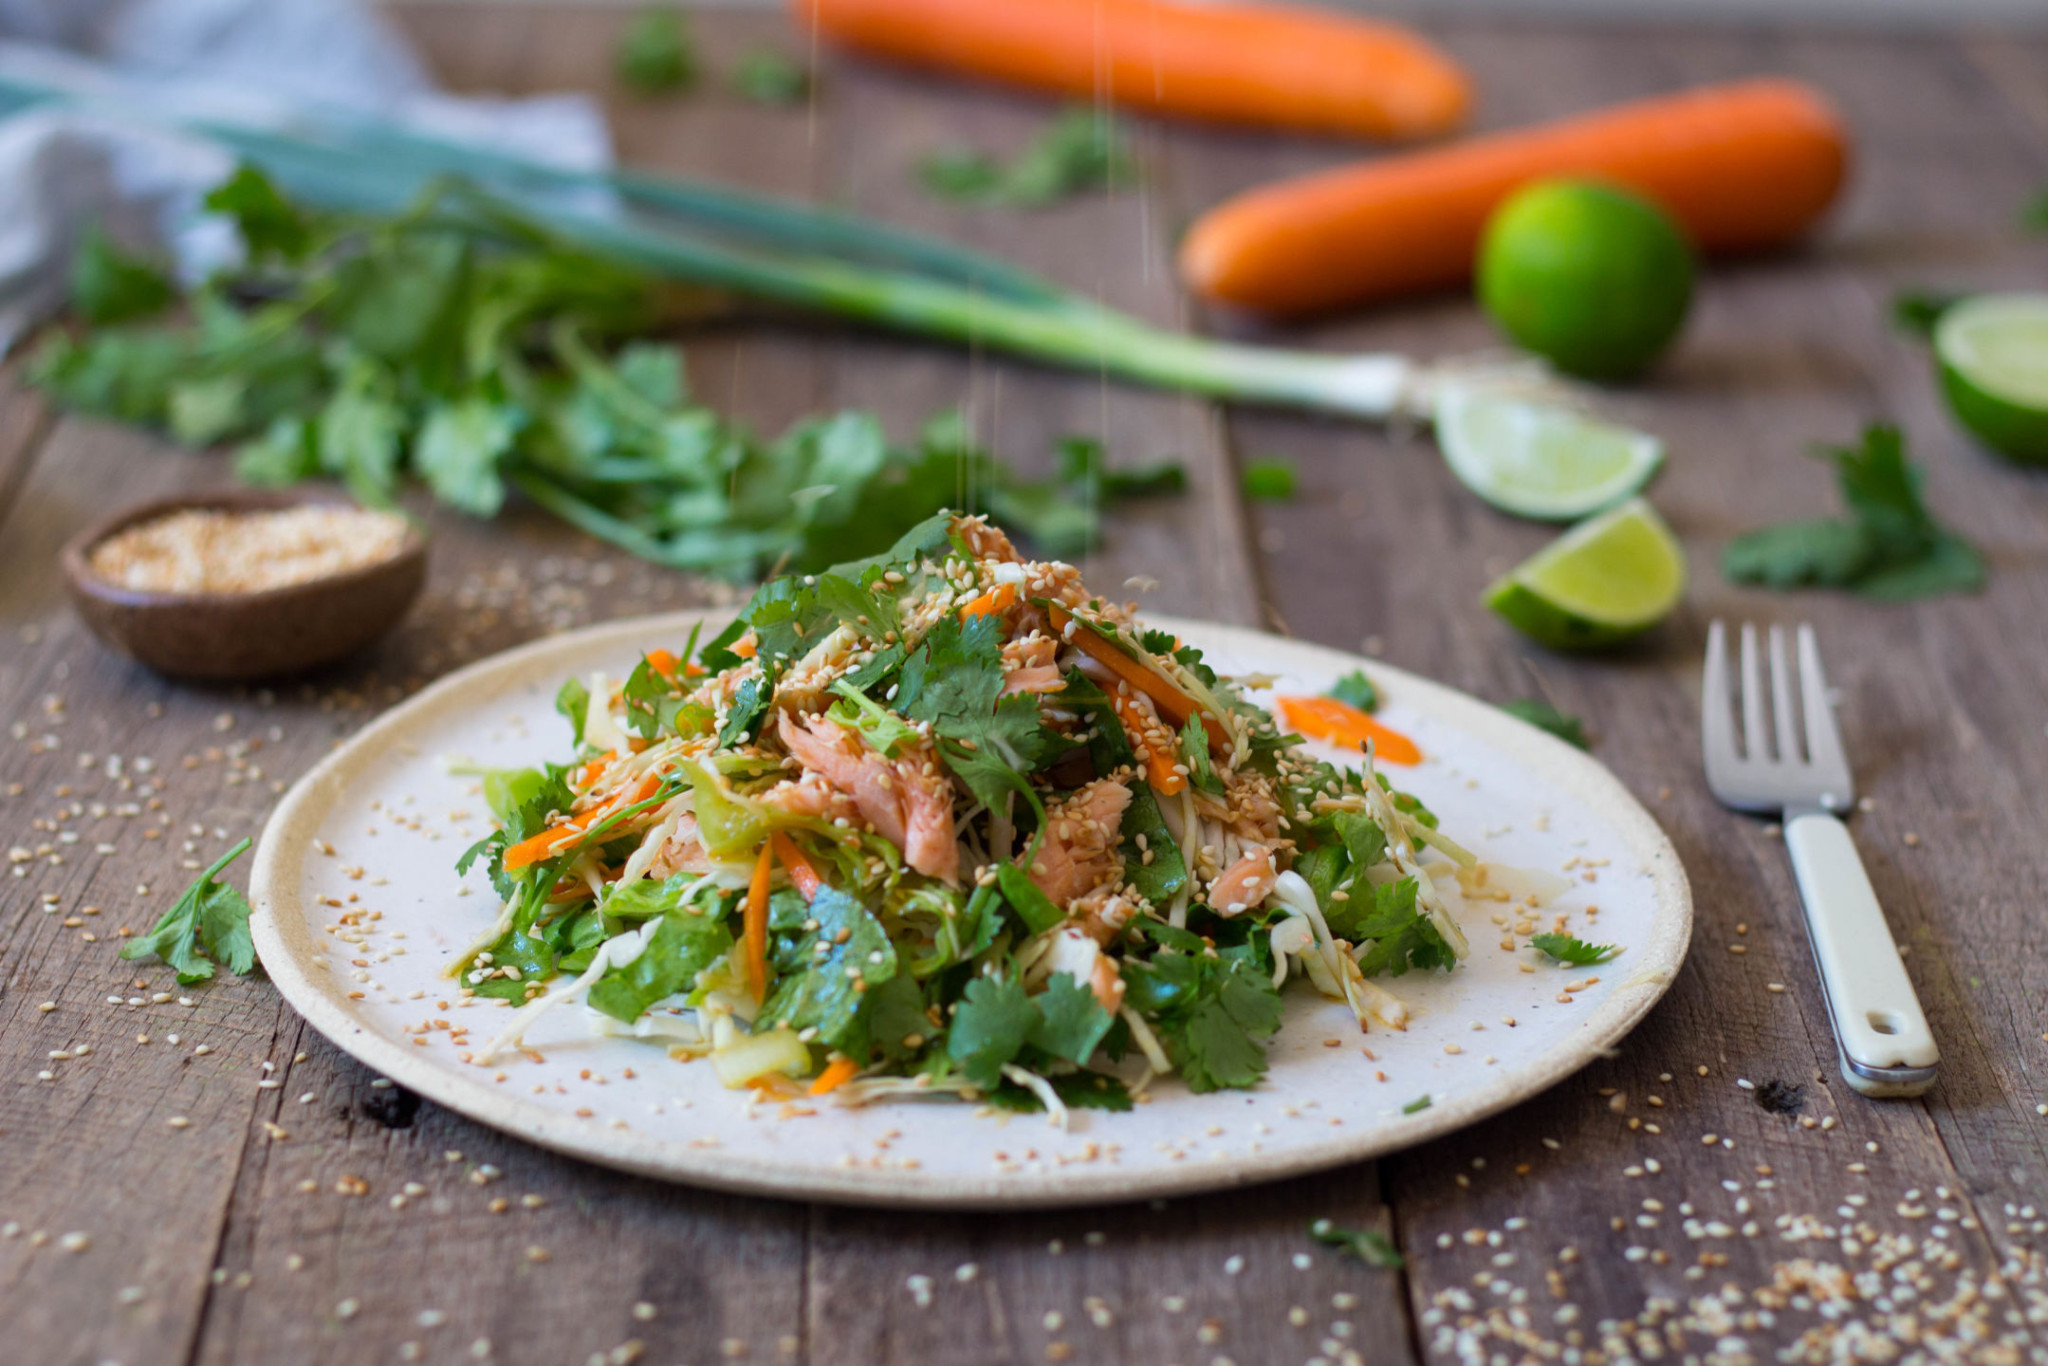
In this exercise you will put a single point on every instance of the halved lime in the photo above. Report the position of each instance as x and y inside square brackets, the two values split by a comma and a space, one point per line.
[1538, 459]
[1993, 354]
[1603, 581]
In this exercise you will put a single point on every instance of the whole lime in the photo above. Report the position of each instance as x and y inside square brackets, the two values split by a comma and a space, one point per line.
[1591, 277]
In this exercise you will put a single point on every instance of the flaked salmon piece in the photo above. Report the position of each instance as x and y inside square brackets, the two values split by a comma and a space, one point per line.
[1102, 914]
[810, 795]
[906, 800]
[1245, 883]
[1080, 850]
[987, 542]
[681, 852]
[1028, 666]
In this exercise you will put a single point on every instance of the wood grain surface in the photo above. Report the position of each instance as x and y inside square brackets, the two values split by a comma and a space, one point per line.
[207, 1180]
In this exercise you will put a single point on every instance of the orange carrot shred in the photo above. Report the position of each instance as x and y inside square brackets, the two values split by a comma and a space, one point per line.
[663, 663]
[756, 924]
[1159, 770]
[1340, 723]
[998, 599]
[553, 840]
[801, 874]
[1174, 705]
[836, 1074]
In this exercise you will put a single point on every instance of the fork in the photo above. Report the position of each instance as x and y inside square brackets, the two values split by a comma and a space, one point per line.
[1886, 1047]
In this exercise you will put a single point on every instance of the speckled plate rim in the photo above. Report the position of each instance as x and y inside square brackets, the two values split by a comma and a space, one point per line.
[286, 945]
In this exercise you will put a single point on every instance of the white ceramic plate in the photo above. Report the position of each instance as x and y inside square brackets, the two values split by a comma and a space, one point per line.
[396, 820]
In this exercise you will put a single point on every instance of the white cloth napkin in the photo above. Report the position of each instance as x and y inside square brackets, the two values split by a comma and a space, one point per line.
[62, 171]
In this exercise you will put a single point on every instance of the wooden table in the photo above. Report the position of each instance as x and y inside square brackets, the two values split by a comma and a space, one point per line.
[182, 1192]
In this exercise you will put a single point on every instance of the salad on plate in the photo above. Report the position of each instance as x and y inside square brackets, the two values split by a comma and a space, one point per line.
[944, 822]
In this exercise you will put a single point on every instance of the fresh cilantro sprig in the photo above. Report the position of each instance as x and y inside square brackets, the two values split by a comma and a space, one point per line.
[1080, 151]
[1545, 717]
[655, 55]
[1269, 480]
[1916, 311]
[1570, 949]
[464, 345]
[1368, 1245]
[208, 925]
[1889, 548]
[765, 76]
[1356, 690]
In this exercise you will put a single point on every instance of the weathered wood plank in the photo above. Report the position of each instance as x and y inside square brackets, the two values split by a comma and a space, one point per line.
[1384, 549]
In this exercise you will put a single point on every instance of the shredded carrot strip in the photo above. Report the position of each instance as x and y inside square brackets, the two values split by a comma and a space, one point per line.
[553, 840]
[1325, 718]
[663, 663]
[1159, 770]
[801, 873]
[744, 649]
[1175, 705]
[757, 924]
[998, 599]
[836, 1074]
[588, 775]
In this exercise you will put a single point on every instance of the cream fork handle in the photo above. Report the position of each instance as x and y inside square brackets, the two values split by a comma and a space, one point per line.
[1887, 1048]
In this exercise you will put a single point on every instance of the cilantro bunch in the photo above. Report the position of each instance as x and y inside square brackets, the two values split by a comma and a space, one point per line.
[1888, 548]
[462, 344]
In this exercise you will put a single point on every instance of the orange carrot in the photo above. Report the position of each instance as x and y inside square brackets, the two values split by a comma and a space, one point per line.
[1272, 66]
[756, 924]
[556, 838]
[998, 599]
[1159, 770]
[1173, 704]
[1742, 167]
[745, 647]
[836, 1074]
[1325, 718]
[801, 874]
[663, 663]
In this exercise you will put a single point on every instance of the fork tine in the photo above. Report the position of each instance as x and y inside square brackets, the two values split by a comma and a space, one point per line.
[1823, 737]
[1717, 735]
[1783, 707]
[1753, 747]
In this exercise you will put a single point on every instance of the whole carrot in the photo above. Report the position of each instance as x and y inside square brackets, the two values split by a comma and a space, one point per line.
[1268, 65]
[1742, 167]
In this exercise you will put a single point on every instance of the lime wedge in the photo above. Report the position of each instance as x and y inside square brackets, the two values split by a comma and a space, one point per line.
[1993, 354]
[1601, 582]
[1540, 460]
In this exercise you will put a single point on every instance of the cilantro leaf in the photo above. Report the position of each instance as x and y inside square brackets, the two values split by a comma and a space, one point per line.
[109, 285]
[655, 55]
[1084, 470]
[459, 449]
[1270, 480]
[1070, 1021]
[954, 680]
[993, 1021]
[1890, 549]
[1152, 856]
[1194, 752]
[1402, 936]
[1566, 948]
[765, 76]
[743, 718]
[1081, 150]
[573, 702]
[1356, 690]
[1368, 1245]
[653, 706]
[207, 925]
[1916, 311]
[1545, 717]
[684, 943]
[1076, 1090]
[270, 224]
[827, 971]
[1212, 1013]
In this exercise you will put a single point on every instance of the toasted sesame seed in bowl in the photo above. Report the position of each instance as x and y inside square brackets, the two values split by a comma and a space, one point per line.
[245, 584]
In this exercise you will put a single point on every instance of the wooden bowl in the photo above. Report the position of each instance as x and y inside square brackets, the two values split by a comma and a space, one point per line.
[243, 636]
